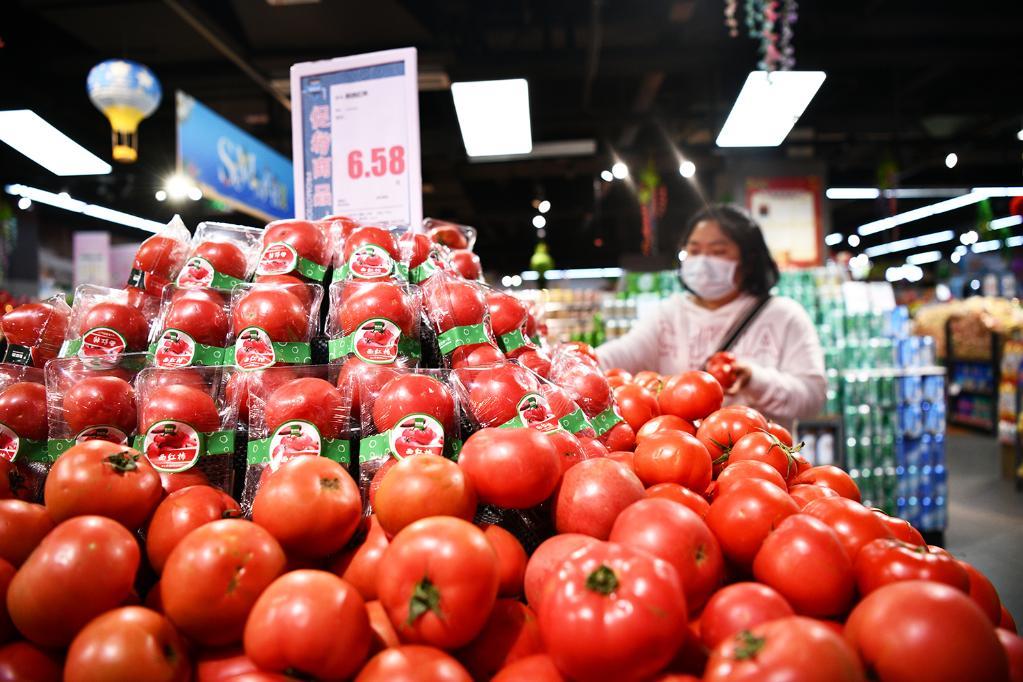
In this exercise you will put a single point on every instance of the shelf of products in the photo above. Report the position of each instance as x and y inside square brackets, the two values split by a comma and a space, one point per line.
[973, 357]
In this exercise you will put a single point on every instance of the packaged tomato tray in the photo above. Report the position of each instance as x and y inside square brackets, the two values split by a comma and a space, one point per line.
[507, 395]
[186, 423]
[91, 400]
[272, 324]
[294, 411]
[104, 323]
[465, 263]
[158, 260]
[372, 252]
[508, 319]
[220, 256]
[339, 228]
[374, 321]
[451, 235]
[24, 429]
[423, 256]
[35, 331]
[587, 386]
[295, 248]
[458, 314]
[192, 328]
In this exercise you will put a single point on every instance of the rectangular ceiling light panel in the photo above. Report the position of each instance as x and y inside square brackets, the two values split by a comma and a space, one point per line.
[31, 135]
[768, 106]
[494, 116]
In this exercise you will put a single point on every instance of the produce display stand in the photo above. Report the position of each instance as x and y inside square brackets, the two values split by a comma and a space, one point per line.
[974, 379]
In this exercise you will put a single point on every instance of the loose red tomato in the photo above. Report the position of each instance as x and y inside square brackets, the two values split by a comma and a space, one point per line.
[761, 446]
[511, 634]
[887, 560]
[451, 302]
[547, 558]
[723, 367]
[123, 319]
[23, 661]
[1013, 646]
[636, 405]
[613, 612]
[1007, 621]
[214, 576]
[780, 432]
[84, 567]
[417, 487]
[307, 399]
[225, 257]
[620, 437]
[738, 607]
[128, 643]
[309, 622]
[511, 560]
[413, 394]
[310, 505]
[673, 457]
[570, 450]
[413, 663]
[193, 406]
[592, 494]
[221, 665]
[383, 636]
[361, 301]
[743, 518]
[722, 430]
[690, 395]
[308, 239]
[804, 561]
[899, 528]
[623, 457]
[23, 526]
[922, 630]
[201, 318]
[442, 603]
[854, 524]
[277, 311]
[466, 263]
[7, 629]
[23, 409]
[673, 532]
[496, 392]
[804, 493]
[103, 478]
[830, 477]
[748, 468]
[180, 513]
[512, 467]
[538, 668]
[984, 593]
[651, 381]
[793, 648]
[359, 565]
[680, 494]
[100, 400]
[665, 422]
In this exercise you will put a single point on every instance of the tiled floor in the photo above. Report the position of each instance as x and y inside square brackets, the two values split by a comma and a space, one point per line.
[985, 516]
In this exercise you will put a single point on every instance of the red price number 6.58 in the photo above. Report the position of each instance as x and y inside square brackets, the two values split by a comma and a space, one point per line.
[383, 160]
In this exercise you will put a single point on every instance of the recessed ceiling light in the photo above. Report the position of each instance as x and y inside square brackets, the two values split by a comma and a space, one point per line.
[493, 116]
[767, 107]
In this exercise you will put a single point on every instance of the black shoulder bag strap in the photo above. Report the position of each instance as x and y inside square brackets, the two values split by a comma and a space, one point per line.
[742, 324]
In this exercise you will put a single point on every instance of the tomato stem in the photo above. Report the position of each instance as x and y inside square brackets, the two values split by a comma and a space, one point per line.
[426, 597]
[123, 461]
[747, 645]
[603, 580]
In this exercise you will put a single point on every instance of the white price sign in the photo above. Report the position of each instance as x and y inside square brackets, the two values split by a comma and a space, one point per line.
[355, 132]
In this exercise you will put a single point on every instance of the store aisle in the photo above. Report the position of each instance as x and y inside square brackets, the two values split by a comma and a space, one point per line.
[985, 515]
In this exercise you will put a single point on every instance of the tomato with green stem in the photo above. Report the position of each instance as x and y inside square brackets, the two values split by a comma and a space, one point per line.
[738, 607]
[179, 514]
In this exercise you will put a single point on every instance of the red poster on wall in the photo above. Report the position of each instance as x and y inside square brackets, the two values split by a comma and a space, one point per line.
[789, 211]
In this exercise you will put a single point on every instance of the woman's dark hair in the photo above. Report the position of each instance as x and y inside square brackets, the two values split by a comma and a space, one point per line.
[758, 270]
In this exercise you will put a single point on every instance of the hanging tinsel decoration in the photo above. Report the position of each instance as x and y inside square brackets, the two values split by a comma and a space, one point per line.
[731, 20]
[789, 17]
[771, 23]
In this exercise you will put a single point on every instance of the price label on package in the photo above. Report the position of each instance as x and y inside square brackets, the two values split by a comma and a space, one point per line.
[355, 132]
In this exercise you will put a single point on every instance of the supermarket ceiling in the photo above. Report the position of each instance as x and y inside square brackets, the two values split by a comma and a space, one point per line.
[908, 82]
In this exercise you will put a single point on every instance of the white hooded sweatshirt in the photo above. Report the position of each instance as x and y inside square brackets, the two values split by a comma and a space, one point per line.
[780, 346]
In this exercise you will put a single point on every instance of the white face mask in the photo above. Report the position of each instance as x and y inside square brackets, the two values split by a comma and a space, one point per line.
[709, 277]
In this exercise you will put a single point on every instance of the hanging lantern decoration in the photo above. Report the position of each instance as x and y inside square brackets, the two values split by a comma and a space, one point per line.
[126, 92]
[541, 260]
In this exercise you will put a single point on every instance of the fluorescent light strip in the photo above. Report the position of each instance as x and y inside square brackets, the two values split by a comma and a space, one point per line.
[767, 107]
[1007, 221]
[911, 243]
[897, 193]
[1014, 241]
[984, 247]
[925, 257]
[65, 202]
[852, 193]
[833, 239]
[579, 273]
[31, 135]
[493, 116]
[918, 213]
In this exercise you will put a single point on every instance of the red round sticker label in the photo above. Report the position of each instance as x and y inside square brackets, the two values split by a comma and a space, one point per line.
[370, 261]
[376, 341]
[9, 443]
[107, 433]
[293, 439]
[417, 434]
[278, 258]
[172, 446]
[101, 341]
[174, 348]
[198, 272]
[253, 349]
[535, 412]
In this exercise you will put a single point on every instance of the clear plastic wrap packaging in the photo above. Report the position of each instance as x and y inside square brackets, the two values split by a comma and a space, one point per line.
[192, 328]
[91, 400]
[466, 263]
[104, 323]
[372, 252]
[35, 331]
[186, 423]
[508, 318]
[587, 386]
[295, 248]
[423, 256]
[536, 360]
[158, 261]
[458, 314]
[339, 228]
[24, 456]
[272, 324]
[451, 235]
[294, 412]
[374, 321]
[220, 256]
[506, 395]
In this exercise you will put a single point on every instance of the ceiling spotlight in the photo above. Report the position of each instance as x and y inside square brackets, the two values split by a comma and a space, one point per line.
[970, 237]
[161, 195]
[539, 221]
[854, 240]
[687, 169]
[620, 170]
[177, 186]
[606, 176]
[24, 203]
[1019, 135]
[951, 160]
[543, 206]
[194, 193]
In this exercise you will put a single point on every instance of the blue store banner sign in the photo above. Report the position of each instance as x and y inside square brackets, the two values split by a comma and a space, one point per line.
[229, 164]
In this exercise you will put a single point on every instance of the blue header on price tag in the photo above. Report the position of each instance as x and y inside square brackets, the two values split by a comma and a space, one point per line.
[231, 165]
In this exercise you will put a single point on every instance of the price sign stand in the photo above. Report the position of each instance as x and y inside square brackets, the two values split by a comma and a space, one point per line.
[355, 137]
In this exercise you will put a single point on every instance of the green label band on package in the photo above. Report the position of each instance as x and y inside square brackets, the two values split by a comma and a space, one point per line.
[575, 421]
[401, 272]
[337, 449]
[34, 451]
[603, 422]
[513, 341]
[222, 281]
[339, 348]
[57, 446]
[462, 336]
[71, 348]
[379, 447]
[311, 270]
[290, 353]
[207, 356]
[213, 443]
[422, 272]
